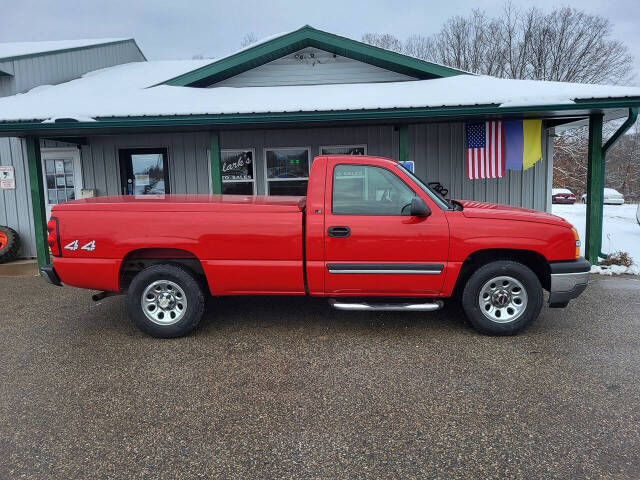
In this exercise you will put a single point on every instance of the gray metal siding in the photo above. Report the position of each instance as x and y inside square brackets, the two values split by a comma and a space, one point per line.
[54, 68]
[436, 149]
[290, 71]
[15, 205]
[438, 152]
[379, 141]
[188, 160]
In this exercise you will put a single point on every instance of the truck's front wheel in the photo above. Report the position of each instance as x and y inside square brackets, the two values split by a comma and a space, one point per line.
[165, 301]
[502, 298]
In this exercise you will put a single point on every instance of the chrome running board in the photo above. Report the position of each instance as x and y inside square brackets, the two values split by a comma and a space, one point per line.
[388, 307]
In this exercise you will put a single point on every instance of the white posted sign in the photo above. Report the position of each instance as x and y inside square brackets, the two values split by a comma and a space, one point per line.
[7, 178]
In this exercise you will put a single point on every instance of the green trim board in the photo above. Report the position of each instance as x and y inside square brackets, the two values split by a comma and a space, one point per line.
[36, 184]
[308, 36]
[72, 49]
[214, 158]
[581, 109]
[403, 143]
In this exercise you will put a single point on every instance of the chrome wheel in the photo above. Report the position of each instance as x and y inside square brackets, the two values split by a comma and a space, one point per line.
[502, 299]
[164, 302]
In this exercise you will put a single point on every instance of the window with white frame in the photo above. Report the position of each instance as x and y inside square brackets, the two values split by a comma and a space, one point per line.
[343, 150]
[236, 170]
[287, 170]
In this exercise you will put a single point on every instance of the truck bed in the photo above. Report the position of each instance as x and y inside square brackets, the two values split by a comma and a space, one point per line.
[240, 241]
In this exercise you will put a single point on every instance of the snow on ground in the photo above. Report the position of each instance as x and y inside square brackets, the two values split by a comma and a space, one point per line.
[620, 232]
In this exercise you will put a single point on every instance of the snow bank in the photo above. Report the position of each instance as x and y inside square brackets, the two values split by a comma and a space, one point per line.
[620, 232]
[127, 90]
[615, 270]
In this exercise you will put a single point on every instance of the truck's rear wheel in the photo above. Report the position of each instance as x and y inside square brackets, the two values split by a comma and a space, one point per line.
[165, 301]
[502, 298]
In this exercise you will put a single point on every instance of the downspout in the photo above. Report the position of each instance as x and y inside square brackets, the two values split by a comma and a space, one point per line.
[631, 119]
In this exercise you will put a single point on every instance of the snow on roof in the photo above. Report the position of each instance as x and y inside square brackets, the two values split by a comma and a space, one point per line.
[17, 49]
[555, 191]
[125, 90]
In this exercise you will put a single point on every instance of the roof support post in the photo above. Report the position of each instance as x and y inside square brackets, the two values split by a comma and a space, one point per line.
[595, 189]
[403, 143]
[37, 199]
[214, 158]
[631, 119]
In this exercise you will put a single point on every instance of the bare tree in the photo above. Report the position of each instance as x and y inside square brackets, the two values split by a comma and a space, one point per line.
[623, 166]
[570, 159]
[248, 39]
[383, 40]
[565, 45]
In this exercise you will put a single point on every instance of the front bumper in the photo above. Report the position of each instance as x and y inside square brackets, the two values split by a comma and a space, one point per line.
[568, 281]
[50, 275]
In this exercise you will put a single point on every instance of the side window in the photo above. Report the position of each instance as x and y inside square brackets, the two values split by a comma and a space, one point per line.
[368, 190]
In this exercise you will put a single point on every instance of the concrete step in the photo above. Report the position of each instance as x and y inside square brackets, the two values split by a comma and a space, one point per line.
[19, 268]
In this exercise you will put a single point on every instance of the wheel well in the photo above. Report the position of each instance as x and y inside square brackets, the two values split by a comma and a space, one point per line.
[536, 262]
[137, 260]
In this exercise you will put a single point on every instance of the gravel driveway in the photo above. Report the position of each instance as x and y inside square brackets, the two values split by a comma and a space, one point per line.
[288, 388]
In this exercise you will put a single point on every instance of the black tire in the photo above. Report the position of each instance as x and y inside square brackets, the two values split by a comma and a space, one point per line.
[9, 245]
[178, 275]
[506, 268]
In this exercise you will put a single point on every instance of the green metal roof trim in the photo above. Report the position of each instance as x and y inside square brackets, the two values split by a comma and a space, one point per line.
[304, 37]
[73, 49]
[581, 108]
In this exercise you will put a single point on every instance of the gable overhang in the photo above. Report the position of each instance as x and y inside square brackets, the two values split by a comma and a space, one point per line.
[304, 37]
[554, 114]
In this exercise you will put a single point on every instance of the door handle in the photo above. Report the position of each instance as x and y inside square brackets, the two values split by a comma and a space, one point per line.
[339, 232]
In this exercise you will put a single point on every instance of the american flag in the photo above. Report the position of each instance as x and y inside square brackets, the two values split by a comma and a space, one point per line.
[485, 150]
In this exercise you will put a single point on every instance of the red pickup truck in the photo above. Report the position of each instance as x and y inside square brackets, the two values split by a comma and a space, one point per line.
[369, 235]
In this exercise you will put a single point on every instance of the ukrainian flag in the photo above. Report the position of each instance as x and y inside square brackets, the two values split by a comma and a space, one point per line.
[523, 141]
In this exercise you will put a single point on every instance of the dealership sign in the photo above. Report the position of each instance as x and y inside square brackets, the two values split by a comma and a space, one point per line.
[237, 165]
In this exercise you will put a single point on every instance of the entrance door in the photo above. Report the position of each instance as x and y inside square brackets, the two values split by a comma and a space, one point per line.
[62, 175]
[371, 243]
[144, 171]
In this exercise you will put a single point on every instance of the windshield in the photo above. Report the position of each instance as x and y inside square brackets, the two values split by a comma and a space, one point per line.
[435, 196]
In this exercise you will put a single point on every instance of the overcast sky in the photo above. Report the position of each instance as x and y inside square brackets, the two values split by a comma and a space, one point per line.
[170, 29]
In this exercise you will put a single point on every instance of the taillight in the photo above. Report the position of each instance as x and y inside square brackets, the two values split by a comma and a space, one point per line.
[53, 238]
[577, 239]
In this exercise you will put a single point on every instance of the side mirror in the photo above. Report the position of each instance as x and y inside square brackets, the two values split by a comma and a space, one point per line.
[419, 208]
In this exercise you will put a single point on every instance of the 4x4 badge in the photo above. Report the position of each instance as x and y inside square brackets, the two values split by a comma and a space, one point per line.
[90, 247]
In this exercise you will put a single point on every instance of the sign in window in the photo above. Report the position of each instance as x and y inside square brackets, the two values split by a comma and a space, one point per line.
[236, 169]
